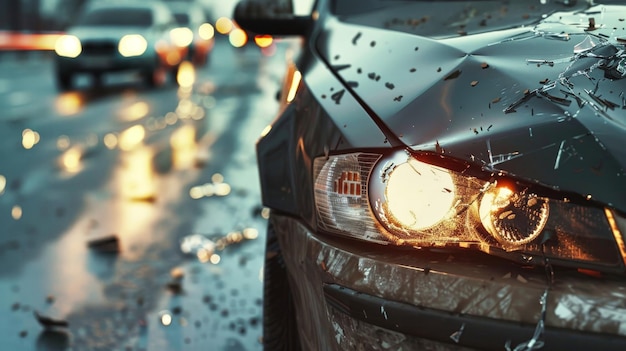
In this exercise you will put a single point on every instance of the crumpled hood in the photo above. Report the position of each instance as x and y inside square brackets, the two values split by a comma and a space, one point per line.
[545, 103]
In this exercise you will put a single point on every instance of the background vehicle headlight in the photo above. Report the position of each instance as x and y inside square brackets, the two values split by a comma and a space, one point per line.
[132, 45]
[68, 46]
[206, 31]
[181, 37]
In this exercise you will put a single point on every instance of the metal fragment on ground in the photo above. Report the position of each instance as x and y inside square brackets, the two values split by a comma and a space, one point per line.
[48, 322]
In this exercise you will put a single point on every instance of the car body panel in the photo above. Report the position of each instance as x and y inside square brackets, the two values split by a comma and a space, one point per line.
[460, 283]
[532, 96]
[192, 16]
[488, 100]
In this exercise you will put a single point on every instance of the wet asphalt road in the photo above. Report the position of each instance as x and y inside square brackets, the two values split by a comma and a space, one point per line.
[147, 167]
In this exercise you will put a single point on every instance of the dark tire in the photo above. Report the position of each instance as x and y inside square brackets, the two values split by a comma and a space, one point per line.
[280, 329]
[65, 81]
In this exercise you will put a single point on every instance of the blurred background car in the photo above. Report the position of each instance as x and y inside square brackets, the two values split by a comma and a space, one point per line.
[194, 30]
[446, 175]
[119, 36]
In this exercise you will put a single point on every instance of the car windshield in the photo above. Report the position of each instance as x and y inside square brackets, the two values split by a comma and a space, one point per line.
[445, 18]
[118, 17]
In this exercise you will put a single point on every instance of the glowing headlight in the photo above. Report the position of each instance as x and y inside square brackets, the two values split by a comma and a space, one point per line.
[206, 31]
[68, 46]
[132, 45]
[513, 218]
[403, 199]
[238, 37]
[181, 37]
[417, 195]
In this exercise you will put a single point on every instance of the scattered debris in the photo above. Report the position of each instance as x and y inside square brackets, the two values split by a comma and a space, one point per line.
[456, 336]
[175, 287]
[105, 244]
[177, 273]
[48, 322]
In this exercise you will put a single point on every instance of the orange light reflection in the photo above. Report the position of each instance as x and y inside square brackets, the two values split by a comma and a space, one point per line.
[184, 147]
[138, 181]
[71, 159]
[69, 104]
[186, 76]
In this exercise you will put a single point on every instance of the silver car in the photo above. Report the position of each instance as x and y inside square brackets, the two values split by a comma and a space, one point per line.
[128, 36]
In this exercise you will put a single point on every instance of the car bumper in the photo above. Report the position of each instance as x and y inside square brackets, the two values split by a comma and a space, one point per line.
[107, 63]
[354, 296]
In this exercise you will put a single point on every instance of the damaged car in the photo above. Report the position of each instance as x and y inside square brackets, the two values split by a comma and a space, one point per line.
[446, 175]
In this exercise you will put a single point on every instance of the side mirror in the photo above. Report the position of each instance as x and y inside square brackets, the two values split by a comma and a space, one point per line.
[262, 18]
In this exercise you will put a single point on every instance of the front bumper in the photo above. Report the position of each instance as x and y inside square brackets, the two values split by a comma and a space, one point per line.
[350, 295]
[107, 63]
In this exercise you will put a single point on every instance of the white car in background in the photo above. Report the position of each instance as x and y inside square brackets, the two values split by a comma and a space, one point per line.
[194, 31]
[119, 36]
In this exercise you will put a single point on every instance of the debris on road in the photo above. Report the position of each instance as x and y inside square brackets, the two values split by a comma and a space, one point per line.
[105, 244]
[48, 322]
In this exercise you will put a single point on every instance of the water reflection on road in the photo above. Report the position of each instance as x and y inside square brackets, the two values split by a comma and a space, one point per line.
[109, 198]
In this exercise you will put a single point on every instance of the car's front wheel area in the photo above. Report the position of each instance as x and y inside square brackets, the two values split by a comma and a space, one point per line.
[280, 329]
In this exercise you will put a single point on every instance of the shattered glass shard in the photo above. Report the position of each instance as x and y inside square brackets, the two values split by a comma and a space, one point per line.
[456, 336]
[587, 44]
[194, 243]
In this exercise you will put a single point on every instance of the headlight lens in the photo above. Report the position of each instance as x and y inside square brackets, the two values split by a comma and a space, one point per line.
[68, 46]
[511, 217]
[416, 180]
[132, 45]
[405, 200]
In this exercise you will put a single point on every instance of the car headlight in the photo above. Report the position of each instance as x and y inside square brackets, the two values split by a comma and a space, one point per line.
[68, 46]
[181, 37]
[132, 45]
[206, 31]
[425, 200]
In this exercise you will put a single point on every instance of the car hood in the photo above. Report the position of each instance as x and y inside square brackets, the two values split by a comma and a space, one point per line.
[544, 103]
[107, 33]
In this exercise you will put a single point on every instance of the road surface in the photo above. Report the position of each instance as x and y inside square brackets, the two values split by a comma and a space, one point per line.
[100, 186]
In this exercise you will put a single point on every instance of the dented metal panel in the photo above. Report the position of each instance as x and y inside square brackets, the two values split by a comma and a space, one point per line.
[459, 282]
[544, 102]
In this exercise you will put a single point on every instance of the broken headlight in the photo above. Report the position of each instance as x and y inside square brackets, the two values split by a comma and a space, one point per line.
[404, 199]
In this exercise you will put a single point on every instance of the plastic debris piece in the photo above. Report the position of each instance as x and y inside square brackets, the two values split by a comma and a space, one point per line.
[48, 322]
[177, 273]
[175, 287]
[108, 243]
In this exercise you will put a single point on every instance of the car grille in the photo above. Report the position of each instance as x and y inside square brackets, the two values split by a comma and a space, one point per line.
[99, 48]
